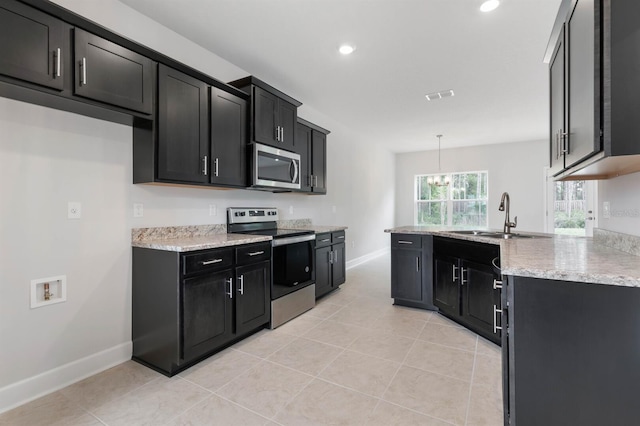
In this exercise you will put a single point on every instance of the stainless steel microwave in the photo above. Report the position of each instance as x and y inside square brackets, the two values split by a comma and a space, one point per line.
[273, 168]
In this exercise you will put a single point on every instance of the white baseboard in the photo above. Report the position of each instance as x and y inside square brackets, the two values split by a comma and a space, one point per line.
[27, 390]
[367, 257]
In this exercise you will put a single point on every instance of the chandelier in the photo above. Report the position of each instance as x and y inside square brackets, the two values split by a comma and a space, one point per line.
[439, 181]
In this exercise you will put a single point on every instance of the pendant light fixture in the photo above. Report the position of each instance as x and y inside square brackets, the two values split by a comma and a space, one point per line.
[439, 181]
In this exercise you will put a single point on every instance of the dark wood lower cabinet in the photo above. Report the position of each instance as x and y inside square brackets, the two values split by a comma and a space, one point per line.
[463, 284]
[207, 313]
[330, 262]
[412, 270]
[572, 353]
[187, 306]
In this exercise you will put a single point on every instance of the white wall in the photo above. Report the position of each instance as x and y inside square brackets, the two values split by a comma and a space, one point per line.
[50, 157]
[516, 168]
[623, 195]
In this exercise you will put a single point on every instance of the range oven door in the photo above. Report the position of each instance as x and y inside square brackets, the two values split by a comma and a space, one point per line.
[274, 168]
[293, 264]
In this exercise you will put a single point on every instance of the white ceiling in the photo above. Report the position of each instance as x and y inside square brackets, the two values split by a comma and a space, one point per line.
[405, 49]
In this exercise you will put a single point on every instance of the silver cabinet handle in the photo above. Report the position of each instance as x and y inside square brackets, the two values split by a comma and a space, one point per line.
[310, 180]
[341, 237]
[495, 325]
[230, 282]
[83, 80]
[210, 262]
[565, 145]
[557, 144]
[255, 253]
[462, 280]
[404, 242]
[204, 164]
[326, 240]
[58, 54]
[241, 288]
[281, 134]
[455, 268]
[330, 257]
[497, 284]
[417, 264]
[316, 181]
[215, 162]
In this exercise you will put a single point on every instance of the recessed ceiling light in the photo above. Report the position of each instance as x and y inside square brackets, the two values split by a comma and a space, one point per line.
[439, 95]
[346, 49]
[489, 5]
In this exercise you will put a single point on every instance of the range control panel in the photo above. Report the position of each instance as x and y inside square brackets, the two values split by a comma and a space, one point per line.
[250, 215]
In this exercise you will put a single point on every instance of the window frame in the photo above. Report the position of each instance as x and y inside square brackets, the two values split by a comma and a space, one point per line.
[449, 200]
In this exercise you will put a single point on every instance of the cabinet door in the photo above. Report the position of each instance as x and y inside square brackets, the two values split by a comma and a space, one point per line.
[406, 274]
[183, 143]
[323, 271]
[109, 73]
[206, 313]
[338, 267]
[228, 139]
[303, 147]
[288, 116]
[557, 106]
[583, 112]
[446, 291]
[253, 296]
[265, 117]
[319, 162]
[479, 298]
[32, 45]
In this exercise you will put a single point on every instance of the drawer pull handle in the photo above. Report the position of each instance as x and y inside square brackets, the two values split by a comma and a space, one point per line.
[326, 240]
[341, 237]
[495, 325]
[497, 284]
[230, 282]
[83, 80]
[404, 242]
[58, 62]
[417, 264]
[255, 253]
[210, 262]
[453, 272]
[462, 280]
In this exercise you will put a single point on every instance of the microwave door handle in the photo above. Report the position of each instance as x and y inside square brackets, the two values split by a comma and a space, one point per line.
[295, 171]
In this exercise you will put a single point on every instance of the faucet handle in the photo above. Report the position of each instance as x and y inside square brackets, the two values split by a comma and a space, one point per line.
[514, 223]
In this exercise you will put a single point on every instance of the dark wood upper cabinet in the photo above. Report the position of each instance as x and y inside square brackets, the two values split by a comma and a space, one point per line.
[311, 144]
[183, 137]
[32, 47]
[107, 72]
[228, 162]
[273, 114]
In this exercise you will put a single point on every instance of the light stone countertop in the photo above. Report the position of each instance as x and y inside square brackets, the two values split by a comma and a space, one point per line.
[319, 229]
[557, 257]
[200, 242]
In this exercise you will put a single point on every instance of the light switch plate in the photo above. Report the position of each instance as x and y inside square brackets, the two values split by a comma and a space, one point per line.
[606, 210]
[138, 210]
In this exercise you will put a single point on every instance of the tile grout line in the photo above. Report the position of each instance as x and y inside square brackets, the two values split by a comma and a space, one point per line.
[473, 370]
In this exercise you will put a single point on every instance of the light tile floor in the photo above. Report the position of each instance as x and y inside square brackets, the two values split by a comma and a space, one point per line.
[355, 359]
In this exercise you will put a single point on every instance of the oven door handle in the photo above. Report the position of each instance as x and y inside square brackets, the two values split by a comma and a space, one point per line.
[292, 240]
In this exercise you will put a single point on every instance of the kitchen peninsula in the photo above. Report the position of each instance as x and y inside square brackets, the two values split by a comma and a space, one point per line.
[570, 323]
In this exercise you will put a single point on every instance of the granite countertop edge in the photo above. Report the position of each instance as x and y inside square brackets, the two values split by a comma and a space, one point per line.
[556, 257]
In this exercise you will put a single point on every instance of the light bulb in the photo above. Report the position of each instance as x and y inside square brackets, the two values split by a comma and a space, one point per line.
[346, 49]
[489, 5]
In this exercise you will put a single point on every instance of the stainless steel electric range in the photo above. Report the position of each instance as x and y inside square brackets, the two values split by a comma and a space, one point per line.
[293, 270]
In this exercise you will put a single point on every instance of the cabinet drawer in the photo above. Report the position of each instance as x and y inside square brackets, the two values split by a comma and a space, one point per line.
[337, 237]
[253, 253]
[323, 239]
[206, 260]
[406, 240]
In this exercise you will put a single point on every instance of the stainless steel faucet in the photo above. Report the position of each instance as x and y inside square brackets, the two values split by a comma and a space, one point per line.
[505, 201]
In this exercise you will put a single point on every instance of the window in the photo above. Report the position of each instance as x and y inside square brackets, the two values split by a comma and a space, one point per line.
[463, 202]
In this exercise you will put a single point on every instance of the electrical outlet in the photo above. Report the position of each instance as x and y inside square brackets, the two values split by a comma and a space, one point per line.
[213, 210]
[606, 210]
[74, 210]
[138, 210]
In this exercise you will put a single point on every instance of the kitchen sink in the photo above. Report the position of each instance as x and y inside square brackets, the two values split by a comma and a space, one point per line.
[497, 234]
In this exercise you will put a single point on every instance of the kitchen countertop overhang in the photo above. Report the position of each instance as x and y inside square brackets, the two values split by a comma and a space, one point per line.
[557, 257]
